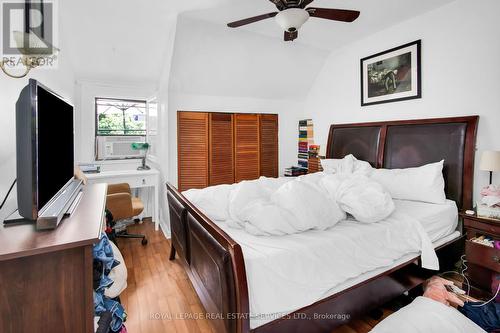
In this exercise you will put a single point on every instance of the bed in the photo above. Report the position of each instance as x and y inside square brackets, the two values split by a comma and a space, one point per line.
[214, 256]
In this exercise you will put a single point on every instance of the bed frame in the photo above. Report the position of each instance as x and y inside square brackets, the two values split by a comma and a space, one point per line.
[214, 261]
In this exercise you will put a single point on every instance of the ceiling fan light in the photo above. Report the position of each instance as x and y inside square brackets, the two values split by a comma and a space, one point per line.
[292, 19]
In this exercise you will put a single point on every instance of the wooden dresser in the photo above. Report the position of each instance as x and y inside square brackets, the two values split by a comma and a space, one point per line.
[46, 276]
[483, 262]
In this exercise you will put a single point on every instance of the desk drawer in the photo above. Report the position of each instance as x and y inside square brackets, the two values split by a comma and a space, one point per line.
[133, 181]
[483, 255]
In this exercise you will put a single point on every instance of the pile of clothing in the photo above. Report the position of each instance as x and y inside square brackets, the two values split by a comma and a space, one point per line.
[491, 196]
[106, 301]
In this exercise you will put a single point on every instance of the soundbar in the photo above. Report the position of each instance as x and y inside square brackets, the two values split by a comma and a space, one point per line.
[55, 210]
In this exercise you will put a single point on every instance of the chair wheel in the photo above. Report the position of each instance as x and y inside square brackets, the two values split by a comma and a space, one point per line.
[144, 241]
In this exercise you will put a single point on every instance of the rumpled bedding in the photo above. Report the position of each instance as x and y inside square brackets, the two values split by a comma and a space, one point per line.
[319, 201]
[281, 206]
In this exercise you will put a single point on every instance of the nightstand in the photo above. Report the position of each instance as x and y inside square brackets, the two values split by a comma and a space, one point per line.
[483, 262]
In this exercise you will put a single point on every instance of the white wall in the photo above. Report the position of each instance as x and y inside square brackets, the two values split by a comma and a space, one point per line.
[460, 74]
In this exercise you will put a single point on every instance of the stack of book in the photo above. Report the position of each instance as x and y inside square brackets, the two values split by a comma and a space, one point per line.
[295, 171]
[306, 138]
[314, 163]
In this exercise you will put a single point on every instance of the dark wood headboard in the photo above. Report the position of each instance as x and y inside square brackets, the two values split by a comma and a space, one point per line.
[412, 143]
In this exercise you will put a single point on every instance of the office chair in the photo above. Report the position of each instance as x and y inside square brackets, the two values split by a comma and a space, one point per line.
[123, 206]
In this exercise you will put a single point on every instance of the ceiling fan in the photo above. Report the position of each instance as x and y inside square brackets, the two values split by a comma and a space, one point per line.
[292, 14]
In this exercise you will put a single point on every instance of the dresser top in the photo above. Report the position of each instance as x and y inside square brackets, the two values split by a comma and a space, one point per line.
[82, 228]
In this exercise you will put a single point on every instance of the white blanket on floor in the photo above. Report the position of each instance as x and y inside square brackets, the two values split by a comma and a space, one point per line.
[425, 315]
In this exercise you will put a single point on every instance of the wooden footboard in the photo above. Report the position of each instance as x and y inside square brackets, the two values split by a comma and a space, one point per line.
[214, 263]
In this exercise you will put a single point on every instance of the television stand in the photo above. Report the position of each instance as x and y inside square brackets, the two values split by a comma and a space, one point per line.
[16, 219]
[48, 275]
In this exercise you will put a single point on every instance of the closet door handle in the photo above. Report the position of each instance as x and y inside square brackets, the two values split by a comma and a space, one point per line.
[496, 259]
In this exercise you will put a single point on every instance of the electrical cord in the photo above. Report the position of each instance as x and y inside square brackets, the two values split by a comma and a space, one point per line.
[8, 192]
[491, 299]
[462, 273]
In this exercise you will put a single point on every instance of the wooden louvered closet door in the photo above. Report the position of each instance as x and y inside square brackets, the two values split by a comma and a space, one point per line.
[246, 146]
[192, 149]
[269, 145]
[221, 149]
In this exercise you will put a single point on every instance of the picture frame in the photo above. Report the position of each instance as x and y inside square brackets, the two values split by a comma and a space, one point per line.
[393, 75]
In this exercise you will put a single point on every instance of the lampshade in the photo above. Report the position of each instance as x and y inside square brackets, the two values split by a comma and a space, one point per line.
[292, 19]
[490, 161]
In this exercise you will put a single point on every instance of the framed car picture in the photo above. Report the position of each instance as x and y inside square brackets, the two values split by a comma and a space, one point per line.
[391, 76]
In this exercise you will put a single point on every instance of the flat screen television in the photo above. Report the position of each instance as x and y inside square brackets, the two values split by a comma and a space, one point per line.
[45, 148]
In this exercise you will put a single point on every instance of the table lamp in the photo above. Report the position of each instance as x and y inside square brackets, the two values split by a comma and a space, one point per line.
[142, 146]
[490, 161]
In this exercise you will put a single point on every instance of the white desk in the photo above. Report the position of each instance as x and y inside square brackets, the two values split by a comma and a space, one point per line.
[136, 179]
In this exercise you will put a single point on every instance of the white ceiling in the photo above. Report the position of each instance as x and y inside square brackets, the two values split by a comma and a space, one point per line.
[129, 41]
[375, 15]
[121, 41]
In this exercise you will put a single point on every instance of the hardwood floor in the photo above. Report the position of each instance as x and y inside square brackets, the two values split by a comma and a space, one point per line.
[159, 296]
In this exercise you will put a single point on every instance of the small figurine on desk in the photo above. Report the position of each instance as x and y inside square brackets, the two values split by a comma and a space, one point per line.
[142, 146]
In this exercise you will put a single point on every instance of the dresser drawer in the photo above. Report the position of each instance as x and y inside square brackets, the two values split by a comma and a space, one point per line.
[483, 255]
[488, 228]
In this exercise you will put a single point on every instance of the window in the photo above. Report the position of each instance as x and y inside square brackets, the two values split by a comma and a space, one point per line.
[120, 117]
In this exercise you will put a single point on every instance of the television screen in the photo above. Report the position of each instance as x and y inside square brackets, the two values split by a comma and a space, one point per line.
[55, 144]
[44, 147]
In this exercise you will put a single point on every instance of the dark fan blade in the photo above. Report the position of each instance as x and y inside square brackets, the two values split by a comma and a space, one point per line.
[289, 36]
[280, 4]
[251, 20]
[305, 3]
[334, 14]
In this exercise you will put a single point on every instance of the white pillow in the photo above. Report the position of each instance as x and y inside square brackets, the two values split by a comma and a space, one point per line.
[425, 183]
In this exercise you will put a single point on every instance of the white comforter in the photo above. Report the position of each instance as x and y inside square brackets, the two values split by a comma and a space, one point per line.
[269, 206]
[284, 272]
[425, 315]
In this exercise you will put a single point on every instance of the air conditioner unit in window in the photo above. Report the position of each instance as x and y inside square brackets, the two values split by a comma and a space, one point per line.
[118, 147]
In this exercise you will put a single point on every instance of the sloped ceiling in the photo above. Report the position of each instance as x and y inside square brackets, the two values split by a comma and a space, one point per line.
[131, 42]
[209, 59]
[123, 41]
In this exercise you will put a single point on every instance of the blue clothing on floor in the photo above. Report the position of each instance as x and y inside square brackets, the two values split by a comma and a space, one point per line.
[486, 316]
[103, 304]
[103, 252]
